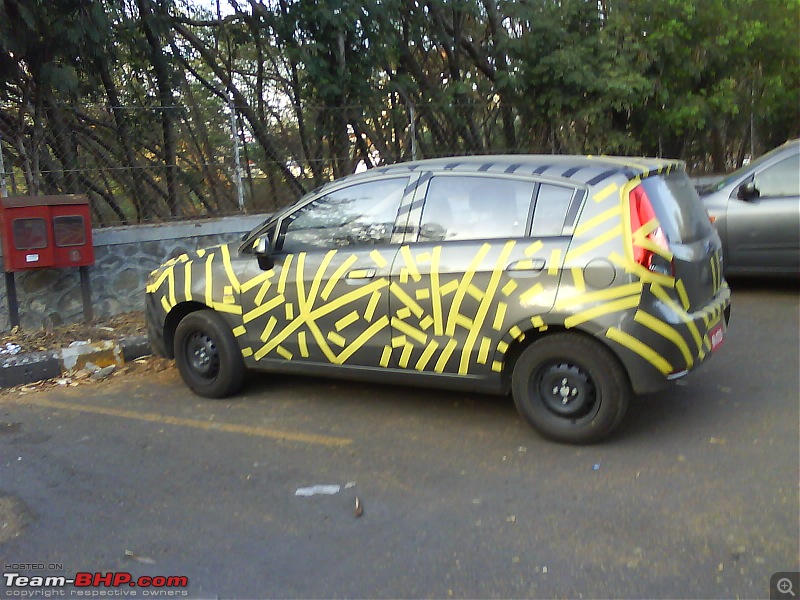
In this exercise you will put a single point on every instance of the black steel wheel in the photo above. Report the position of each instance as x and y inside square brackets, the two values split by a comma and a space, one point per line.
[570, 388]
[207, 355]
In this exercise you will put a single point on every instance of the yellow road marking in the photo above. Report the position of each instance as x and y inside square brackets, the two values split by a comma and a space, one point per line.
[288, 436]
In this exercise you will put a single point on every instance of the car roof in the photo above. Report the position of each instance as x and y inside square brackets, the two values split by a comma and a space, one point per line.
[589, 170]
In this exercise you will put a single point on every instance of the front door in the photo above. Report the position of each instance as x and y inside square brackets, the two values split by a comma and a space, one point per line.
[325, 299]
[764, 232]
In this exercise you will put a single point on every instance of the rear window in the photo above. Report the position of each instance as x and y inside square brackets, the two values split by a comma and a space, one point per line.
[678, 207]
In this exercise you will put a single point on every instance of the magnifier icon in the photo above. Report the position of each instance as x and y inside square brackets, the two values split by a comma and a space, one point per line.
[784, 586]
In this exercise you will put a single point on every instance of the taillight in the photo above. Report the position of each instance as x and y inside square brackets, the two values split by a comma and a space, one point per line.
[650, 243]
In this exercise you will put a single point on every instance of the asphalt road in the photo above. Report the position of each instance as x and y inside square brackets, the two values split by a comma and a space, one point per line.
[696, 495]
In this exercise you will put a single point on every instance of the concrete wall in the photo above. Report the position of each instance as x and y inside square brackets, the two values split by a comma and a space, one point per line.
[124, 257]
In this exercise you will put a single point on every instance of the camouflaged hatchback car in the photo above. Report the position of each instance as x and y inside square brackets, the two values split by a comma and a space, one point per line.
[569, 281]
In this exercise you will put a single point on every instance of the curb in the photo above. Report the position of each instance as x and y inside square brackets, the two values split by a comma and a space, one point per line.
[38, 366]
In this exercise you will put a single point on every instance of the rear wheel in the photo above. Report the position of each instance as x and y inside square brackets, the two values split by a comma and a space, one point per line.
[207, 355]
[570, 388]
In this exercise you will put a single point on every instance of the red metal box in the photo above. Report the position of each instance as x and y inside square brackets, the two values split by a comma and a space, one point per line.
[45, 231]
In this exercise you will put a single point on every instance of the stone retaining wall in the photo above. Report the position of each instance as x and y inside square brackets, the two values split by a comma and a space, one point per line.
[124, 257]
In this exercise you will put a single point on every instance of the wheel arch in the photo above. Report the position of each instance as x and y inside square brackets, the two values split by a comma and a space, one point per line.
[516, 346]
[175, 316]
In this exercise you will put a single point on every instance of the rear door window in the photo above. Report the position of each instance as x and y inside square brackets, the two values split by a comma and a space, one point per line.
[678, 207]
[475, 208]
[556, 210]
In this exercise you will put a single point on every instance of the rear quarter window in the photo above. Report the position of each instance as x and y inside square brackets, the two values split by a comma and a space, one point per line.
[678, 207]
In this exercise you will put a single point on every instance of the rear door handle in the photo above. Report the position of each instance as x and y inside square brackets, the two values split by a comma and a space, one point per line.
[361, 274]
[526, 267]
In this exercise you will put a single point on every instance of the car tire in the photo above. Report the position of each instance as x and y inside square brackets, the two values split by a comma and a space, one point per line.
[570, 388]
[207, 355]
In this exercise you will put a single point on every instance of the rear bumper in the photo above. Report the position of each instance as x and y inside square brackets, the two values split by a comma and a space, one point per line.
[664, 341]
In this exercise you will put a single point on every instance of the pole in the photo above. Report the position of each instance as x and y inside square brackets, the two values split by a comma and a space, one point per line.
[412, 116]
[11, 296]
[237, 164]
[86, 293]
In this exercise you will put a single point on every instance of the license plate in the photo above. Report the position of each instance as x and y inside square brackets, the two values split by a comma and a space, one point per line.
[717, 336]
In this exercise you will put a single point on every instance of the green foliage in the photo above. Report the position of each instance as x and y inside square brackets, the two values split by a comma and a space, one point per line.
[321, 85]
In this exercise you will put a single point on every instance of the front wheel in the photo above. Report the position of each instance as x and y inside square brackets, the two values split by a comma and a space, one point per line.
[570, 388]
[207, 355]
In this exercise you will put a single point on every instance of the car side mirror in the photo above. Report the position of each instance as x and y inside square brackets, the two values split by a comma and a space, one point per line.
[261, 250]
[747, 191]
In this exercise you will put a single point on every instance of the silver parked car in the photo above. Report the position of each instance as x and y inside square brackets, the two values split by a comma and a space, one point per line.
[757, 213]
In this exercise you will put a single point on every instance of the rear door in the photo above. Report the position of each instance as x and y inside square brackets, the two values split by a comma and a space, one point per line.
[471, 278]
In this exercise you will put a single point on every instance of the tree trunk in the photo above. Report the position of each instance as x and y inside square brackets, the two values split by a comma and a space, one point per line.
[162, 71]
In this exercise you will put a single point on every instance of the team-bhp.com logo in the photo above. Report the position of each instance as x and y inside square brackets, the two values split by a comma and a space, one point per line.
[84, 579]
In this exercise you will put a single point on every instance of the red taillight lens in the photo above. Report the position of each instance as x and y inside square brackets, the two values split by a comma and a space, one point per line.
[650, 243]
